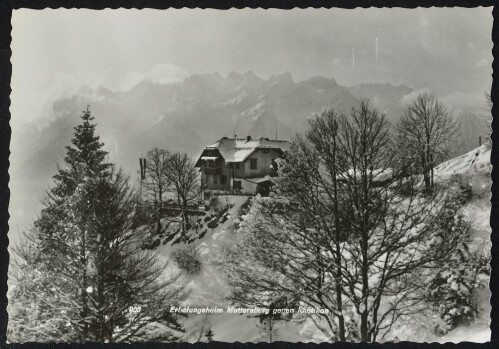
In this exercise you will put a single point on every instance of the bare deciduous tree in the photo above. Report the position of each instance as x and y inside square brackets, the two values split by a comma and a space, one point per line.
[393, 230]
[342, 231]
[425, 132]
[184, 180]
[156, 183]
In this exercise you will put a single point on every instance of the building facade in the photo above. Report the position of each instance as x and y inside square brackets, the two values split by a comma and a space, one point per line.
[240, 166]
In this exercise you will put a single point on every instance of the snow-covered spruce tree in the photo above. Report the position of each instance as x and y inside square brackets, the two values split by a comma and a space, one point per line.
[84, 159]
[125, 275]
[89, 265]
[451, 291]
[38, 311]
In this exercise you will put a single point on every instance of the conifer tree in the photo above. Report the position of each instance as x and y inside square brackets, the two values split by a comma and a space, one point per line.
[84, 252]
[209, 335]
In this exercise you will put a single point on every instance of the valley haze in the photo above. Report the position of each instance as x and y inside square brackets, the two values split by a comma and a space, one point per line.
[205, 107]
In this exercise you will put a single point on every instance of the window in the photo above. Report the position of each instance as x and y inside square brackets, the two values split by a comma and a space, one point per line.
[223, 180]
[237, 185]
[238, 165]
[265, 150]
[253, 164]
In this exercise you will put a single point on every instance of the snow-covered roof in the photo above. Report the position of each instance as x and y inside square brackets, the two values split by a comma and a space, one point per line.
[377, 175]
[237, 150]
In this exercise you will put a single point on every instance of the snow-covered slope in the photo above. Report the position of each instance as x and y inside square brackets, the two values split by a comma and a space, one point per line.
[475, 161]
[474, 167]
[210, 288]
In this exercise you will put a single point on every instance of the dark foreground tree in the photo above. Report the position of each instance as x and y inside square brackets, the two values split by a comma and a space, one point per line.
[209, 335]
[341, 232]
[394, 240]
[80, 269]
[425, 132]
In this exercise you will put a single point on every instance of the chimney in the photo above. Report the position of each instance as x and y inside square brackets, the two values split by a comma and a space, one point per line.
[248, 138]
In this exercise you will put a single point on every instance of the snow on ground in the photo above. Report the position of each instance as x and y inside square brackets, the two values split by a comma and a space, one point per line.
[474, 166]
[475, 161]
[477, 333]
[209, 287]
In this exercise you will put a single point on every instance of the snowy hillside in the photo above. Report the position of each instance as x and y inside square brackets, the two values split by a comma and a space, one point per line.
[475, 168]
[475, 161]
[209, 287]
[476, 165]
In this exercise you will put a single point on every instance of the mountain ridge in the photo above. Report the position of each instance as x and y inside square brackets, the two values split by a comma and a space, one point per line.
[187, 115]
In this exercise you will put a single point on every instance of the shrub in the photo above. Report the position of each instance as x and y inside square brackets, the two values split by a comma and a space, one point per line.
[461, 188]
[245, 207]
[215, 203]
[187, 258]
[450, 292]
[451, 295]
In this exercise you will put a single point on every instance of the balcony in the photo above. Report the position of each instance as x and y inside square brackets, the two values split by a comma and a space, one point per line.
[212, 170]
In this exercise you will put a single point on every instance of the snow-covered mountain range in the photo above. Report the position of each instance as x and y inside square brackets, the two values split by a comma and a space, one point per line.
[186, 116]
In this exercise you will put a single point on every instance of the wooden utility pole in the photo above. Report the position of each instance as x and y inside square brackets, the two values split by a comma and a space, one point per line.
[142, 162]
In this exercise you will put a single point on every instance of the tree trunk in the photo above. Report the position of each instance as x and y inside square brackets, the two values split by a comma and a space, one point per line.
[83, 294]
[341, 319]
[339, 301]
[271, 328]
[428, 164]
[364, 335]
[432, 165]
[100, 294]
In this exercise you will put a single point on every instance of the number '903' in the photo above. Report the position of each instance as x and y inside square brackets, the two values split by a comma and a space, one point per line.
[134, 310]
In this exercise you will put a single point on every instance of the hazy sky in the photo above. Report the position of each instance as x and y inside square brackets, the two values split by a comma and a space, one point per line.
[55, 51]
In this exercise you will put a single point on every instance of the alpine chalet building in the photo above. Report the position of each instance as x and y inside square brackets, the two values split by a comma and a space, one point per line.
[240, 166]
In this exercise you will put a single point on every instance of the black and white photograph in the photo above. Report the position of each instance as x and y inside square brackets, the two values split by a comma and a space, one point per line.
[250, 175]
